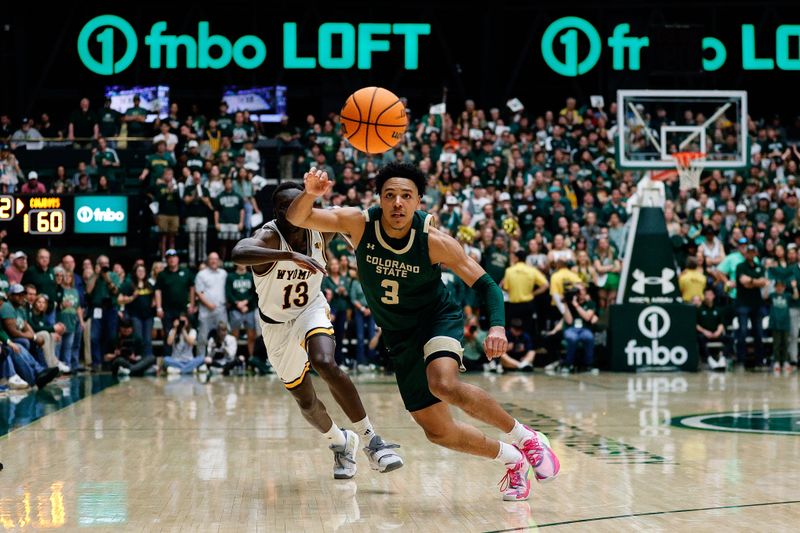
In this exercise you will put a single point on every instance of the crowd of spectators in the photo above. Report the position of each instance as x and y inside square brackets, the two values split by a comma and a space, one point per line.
[534, 197]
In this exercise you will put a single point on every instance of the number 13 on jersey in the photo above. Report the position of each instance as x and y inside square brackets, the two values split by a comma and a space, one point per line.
[392, 296]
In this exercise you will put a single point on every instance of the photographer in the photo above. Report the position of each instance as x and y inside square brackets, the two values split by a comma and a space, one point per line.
[182, 339]
[102, 288]
[579, 316]
[221, 350]
[125, 354]
[474, 356]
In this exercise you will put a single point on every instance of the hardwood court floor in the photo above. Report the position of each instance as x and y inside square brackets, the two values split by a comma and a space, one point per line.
[235, 455]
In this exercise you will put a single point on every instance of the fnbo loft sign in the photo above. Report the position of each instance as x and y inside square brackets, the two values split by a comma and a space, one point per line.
[560, 48]
[340, 46]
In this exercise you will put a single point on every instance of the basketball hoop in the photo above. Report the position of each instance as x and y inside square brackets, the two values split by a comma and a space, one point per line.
[689, 167]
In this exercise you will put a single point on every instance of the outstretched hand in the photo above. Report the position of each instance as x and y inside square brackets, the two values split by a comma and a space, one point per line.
[316, 182]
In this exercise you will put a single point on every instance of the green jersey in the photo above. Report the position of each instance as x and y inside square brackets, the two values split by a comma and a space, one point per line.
[401, 285]
[240, 287]
[136, 129]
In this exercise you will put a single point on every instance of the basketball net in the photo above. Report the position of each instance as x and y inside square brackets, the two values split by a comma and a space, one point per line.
[689, 167]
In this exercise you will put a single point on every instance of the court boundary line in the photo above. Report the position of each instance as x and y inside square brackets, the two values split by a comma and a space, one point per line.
[651, 513]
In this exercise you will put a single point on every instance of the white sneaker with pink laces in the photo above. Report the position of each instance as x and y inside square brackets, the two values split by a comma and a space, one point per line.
[540, 455]
[516, 484]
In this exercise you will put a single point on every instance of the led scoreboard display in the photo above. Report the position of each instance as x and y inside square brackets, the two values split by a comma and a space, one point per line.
[55, 214]
[34, 214]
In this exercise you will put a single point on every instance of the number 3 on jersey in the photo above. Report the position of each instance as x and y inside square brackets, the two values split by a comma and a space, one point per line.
[392, 295]
[302, 295]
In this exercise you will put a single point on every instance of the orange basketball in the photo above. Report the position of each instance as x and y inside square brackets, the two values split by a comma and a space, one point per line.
[373, 120]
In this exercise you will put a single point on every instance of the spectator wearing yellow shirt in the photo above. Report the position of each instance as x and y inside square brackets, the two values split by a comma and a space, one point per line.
[692, 282]
[523, 283]
[561, 277]
[571, 112]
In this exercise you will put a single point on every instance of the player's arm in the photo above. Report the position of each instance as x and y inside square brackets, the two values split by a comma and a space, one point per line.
[264, 248]
[302, 213]
[444, 249]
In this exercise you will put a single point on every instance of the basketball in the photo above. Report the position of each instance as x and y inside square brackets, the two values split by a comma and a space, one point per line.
[373, 120]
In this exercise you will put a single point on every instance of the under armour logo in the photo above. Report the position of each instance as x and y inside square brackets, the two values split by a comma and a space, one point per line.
[370, 246]
[665, 281]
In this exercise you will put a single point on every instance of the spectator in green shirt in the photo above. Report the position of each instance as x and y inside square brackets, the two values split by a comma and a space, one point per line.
[167, 196]
[18, 335]
[241, 297]
[105, 161]
[109, 120]
[70, 313]
[726, 270]
[42, 277]
[750, 279]
[228, 218]
[495, 258]
[780, 322]
[710, 328]
[241, 132]
[174, 291]
[156, 164]
[102, 288]
[224, 120]
[336, 289]
[136, 120]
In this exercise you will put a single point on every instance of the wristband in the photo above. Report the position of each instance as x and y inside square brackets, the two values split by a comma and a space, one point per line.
[491, 294]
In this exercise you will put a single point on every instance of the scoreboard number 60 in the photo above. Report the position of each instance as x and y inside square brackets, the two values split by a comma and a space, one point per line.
[44, 222]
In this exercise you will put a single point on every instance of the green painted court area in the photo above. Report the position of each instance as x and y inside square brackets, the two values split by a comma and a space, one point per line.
[779, 422]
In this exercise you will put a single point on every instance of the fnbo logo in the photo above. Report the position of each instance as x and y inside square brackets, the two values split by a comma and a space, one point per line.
[626, 49]
[247, 52]
[106, 65]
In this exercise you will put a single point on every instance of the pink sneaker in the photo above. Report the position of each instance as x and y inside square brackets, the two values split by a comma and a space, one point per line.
[541, 456]
[516, 484]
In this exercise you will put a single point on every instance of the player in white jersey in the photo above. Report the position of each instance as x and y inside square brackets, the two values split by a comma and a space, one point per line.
[288, 265]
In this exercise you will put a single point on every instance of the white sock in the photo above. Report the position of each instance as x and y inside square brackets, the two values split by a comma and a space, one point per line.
[335, 435]
[364, 428]
[508, 455]
[519, 434]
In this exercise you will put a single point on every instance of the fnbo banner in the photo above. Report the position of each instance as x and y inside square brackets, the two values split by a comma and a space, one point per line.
[562, 53]
[653, 337]
[340, 45]
[101, 214]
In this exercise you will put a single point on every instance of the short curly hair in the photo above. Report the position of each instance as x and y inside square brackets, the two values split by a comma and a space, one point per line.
[283, 186]
[400, 170]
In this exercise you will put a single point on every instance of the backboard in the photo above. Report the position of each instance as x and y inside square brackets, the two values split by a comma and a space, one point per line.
[653, 125]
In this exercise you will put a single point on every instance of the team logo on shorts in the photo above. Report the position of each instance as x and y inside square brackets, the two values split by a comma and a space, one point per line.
[778, 422]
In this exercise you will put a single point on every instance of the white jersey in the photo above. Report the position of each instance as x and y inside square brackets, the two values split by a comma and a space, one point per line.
[286, 290]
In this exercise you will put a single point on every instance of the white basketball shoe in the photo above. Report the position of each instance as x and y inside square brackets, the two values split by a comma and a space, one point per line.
[344, 457]
[381, 455]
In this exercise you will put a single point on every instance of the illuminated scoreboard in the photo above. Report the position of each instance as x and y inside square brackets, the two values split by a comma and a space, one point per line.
[34, 215]
[64, 214]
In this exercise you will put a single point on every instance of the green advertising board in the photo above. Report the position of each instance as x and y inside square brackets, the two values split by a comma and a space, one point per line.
[653, 337]
[101, 214]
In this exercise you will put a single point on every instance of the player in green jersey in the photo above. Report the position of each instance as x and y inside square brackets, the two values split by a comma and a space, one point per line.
[399, 254]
